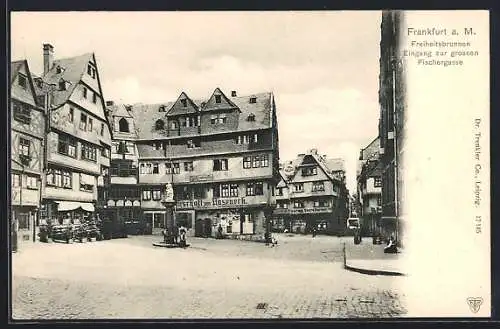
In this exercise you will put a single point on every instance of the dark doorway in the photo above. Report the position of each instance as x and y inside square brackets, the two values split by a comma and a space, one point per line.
[207, 227]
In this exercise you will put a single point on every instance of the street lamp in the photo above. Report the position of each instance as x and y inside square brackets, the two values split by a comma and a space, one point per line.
[168, 202]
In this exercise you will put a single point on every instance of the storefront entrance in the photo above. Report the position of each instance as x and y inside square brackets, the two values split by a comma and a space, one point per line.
[157, 220]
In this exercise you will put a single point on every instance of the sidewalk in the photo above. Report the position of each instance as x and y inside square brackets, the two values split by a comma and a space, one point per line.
[368, 258]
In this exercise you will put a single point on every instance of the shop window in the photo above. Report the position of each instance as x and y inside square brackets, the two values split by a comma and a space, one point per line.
[23, 220]
[249, 217]
[158, 221]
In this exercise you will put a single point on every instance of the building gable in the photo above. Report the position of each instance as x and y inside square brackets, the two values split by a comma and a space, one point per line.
[22, 87]
[218, 101]
[183, 105]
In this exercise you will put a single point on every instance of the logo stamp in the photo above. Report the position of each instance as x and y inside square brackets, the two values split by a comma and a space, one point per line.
[475, 303]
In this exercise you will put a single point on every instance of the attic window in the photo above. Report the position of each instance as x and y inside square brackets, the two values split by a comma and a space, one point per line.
[22, 80]
[218, 98]
[251, 117]
[91, 70]
[62, 84]
[38, 82]
[123, 125]
[184, 102]
[159, 125]
[253, 100]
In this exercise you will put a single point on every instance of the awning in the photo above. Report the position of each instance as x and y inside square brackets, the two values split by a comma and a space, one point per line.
[69, 206]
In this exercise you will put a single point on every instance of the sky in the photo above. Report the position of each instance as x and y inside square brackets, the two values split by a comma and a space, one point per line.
[322, 67]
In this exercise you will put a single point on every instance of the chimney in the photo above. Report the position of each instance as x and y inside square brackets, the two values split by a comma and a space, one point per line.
[48, 57]
[110, 103]
[233, 93]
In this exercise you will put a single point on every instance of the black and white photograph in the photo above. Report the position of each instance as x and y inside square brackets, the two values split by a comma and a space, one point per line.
[239, 165]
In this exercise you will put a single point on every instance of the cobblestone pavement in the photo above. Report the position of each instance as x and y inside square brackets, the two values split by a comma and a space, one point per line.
[128, 278]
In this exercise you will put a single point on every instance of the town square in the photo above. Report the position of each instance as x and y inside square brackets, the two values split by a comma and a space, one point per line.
[207, 181]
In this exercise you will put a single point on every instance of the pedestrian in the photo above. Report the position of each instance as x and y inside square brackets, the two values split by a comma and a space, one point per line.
[219, 232]
[182, 236]
[176, 234]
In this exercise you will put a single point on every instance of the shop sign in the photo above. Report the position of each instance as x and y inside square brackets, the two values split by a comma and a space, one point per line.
[310, 210]
[201, 178]
[212, 204]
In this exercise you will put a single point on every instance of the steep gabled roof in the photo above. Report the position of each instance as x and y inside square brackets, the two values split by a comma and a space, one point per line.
[26, 96]
[371, 151]
[73, 69]
[212, 105]
[145, 115]
[178, 108]
[14, 68]
[329, 166]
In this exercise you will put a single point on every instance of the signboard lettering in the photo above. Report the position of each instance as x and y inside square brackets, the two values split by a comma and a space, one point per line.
[214, 203]
[310, 210]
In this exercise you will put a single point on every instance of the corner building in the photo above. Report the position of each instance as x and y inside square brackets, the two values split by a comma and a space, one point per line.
[78, 136]
[221, 156]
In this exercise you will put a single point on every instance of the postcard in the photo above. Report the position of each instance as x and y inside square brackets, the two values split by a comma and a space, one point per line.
[249, 165]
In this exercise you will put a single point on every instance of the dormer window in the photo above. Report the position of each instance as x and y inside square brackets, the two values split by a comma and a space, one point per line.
[159, 125]
[62, 84]
[22, 81]
[158, 145]
[162, 108]
[123, 125]
[218, 99]
[251, 117]
[184, 102]
[191, 144]
[91, 70]
[253, 100]
[38, 82]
